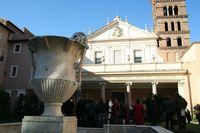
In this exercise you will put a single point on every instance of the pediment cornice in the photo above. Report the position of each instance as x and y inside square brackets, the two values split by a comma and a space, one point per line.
[128, 32]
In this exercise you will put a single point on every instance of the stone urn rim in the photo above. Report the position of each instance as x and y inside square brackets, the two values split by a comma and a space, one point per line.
[46, 37]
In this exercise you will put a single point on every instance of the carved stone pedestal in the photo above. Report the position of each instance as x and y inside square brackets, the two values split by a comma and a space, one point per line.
[49, 124]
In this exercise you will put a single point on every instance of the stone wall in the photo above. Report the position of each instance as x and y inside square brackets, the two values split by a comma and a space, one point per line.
[90, 130]
[16, 128]
[134, 129]
[10, 128]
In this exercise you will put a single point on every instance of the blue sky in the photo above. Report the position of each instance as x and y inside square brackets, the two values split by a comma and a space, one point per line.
[64, 17]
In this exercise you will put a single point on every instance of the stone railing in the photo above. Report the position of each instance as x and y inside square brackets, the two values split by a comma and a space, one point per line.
[131, 67]
[10, 128]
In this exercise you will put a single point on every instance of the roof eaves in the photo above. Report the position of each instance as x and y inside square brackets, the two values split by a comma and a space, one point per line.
[7, 28]
[15, 26]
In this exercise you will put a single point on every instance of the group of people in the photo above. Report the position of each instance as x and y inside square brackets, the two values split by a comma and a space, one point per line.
[119, 113]
[95, 114]
[176, 107]
[92, 113]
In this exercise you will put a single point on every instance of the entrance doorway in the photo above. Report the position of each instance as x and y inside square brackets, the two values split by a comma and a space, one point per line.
[119, 95]
[165, 89]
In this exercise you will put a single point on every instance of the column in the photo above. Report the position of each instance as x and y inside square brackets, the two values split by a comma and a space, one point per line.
[181, 86]
[103, 88]
[154, 87]
[167, 11]
[128, 91]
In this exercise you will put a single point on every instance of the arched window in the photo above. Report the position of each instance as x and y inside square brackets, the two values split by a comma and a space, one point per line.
[179, 41]
[176, 10]
[172, 26]
[168, 41]
[170, 11]
[179, 26]
[158, 43]
[165, 11]
[166, 26]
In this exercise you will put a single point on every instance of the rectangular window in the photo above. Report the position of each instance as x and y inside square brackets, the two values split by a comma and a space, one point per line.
[1, 35]
[98, 57]
[137, 56]
[117, 57]
[17, 48]
[13, 71]
[3, 55]
[21, 92]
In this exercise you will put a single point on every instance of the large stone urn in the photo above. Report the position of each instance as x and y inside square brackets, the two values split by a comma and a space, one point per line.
[55, 62]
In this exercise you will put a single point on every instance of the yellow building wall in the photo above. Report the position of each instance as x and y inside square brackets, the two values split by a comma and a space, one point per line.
[191, 62]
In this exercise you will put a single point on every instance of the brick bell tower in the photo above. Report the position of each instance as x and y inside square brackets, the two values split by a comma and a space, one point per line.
[171, 25]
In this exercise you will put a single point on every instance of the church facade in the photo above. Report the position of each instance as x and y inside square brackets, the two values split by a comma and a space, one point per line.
[123, 62]
[128, 63]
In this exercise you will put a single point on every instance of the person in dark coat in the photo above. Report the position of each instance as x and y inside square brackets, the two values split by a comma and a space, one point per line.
[180, 107]
[168, 106]
[100, 109]
[152, 108]
[115, 111]
[188, 115]
[80, 112]
[127, 113]
[91, 113]
[68, 108]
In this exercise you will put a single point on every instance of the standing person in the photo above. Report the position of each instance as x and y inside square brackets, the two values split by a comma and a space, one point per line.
[91, 113]
[180, 107]
[100, 113]
[138, 113]
[131, 114]
[115, 111]
[108, 111]
[168, 106]
[152, 109]
[127, 114]
[122, 113]
[68, 108]
[80, 112]
[188, 115]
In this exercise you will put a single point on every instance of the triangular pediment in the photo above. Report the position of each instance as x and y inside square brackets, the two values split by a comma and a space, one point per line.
[119, 29]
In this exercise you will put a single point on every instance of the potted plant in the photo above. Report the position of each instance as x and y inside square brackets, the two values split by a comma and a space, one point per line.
[197, 112]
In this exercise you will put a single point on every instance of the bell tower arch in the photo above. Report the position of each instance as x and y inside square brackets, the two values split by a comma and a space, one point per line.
[171, 22]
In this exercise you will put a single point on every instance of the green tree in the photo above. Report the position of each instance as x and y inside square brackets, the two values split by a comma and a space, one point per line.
[4, 102]
[28, 105]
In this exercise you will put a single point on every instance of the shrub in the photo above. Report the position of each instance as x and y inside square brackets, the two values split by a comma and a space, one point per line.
[28, 105]
[4, 103]
[197, 109]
